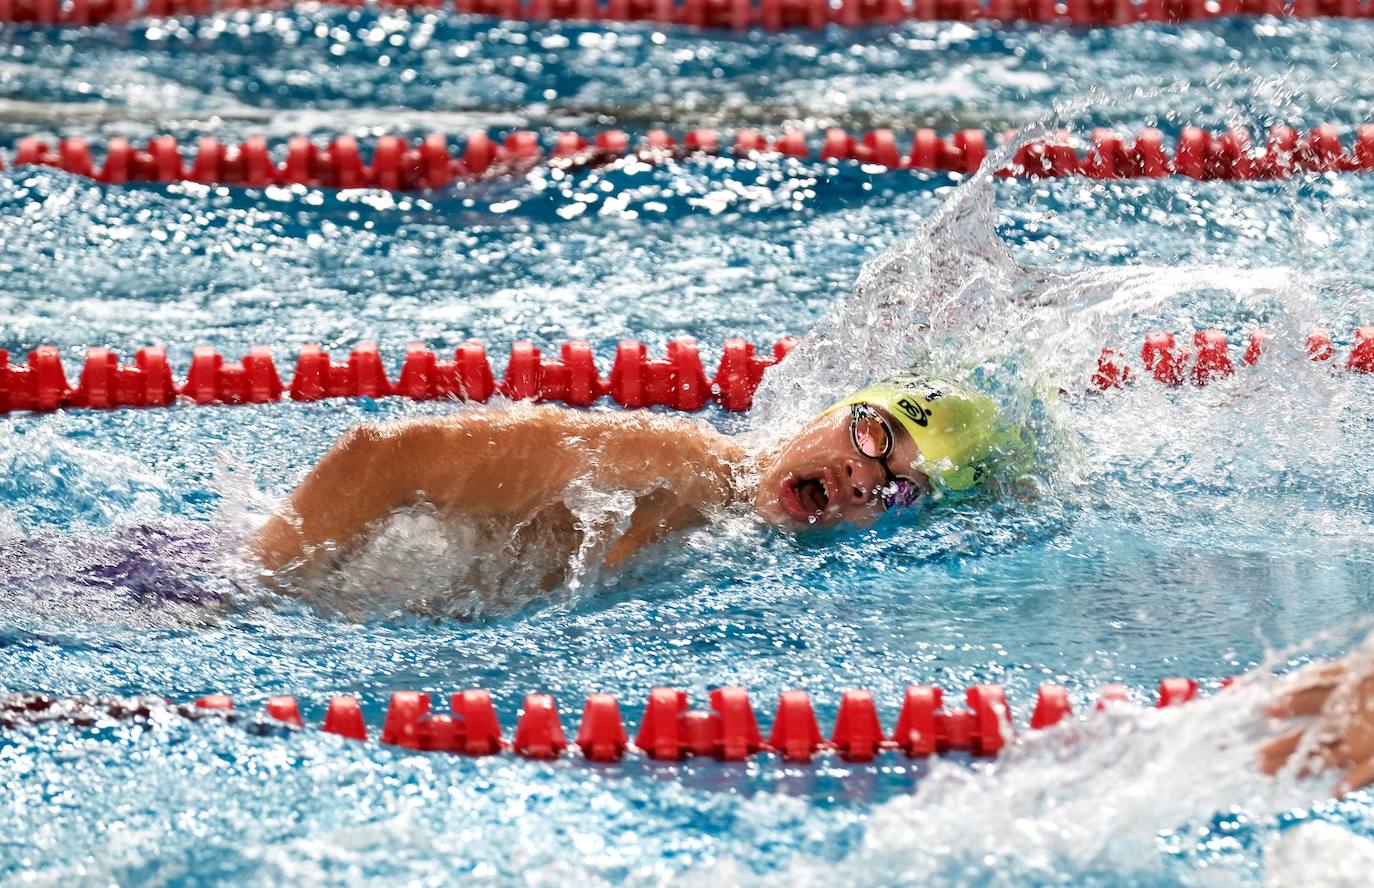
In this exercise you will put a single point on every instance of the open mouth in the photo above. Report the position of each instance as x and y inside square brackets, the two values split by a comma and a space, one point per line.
[812, 494]
[805, 499]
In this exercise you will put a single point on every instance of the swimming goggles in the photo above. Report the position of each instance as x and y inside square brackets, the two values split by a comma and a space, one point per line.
[872, 436]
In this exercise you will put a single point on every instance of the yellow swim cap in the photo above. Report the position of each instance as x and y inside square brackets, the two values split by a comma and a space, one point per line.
[955, 426]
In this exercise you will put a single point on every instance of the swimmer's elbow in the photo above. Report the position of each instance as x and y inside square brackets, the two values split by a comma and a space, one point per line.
[353, 477]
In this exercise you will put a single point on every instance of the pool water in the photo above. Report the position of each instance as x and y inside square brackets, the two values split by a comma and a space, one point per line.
[1196, 532]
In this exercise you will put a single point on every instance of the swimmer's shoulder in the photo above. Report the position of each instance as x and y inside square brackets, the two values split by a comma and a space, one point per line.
[526, 416]
[468, 421]
[533, 428]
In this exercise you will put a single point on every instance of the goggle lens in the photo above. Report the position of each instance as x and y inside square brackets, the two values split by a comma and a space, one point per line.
[901, 493]
[871, 435]
[873, 439]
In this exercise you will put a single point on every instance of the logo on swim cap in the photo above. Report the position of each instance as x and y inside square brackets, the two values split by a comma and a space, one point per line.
[918, 414]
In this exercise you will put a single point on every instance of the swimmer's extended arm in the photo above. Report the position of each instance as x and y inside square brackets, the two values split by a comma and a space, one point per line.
[501, 464]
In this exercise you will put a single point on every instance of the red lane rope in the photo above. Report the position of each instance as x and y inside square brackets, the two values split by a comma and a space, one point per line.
[1209, 359]
[771, 15]
[397, 165]
[677, 381]
[668, 730]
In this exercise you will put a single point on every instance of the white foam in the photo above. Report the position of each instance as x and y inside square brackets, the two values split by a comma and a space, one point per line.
[1319, 855]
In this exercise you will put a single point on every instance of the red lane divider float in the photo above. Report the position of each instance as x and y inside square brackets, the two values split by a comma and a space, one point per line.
[1209, 358]
[669, 730]
[398, 165]
[731, 14]
[677, 381]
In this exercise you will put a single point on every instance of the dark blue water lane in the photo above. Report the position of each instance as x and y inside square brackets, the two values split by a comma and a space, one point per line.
[326, 70]
[1176, 532]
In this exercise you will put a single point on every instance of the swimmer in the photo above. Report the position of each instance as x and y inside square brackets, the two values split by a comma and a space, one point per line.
[888, 446]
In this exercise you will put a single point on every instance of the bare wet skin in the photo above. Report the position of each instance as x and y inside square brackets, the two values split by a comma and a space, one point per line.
[425, 560]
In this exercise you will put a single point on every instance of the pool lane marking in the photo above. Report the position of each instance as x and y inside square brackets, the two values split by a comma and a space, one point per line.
[676, 381]
[430, 164]
[669, 729]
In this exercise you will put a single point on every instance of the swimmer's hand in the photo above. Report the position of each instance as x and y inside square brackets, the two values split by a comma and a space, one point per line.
[1337, 698]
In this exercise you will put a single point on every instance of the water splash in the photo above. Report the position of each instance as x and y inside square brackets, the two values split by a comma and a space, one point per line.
[1124, 796]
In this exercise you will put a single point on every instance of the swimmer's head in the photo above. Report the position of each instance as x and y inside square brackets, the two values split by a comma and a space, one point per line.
[887, 446]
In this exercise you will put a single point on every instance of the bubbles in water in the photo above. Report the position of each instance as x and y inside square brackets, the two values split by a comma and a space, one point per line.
[1173, 530]
[1123, 796]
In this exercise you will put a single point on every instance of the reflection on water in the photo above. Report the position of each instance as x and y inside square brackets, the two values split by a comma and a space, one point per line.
[1179, 532]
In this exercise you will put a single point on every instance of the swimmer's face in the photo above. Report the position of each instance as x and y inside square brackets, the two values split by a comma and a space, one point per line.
[821, 478]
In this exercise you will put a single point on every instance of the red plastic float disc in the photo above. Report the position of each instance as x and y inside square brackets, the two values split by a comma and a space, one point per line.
[538, 732]
[402, 724]
[601, 735]
[345, 718]
[1051, 707]
[915, 733]
[795, 736]
[739, 730]
[858, 733]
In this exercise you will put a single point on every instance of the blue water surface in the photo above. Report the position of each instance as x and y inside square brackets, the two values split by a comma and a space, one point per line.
[1186, 532]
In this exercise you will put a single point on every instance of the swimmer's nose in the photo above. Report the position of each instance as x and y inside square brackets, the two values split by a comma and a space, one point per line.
[863, 480]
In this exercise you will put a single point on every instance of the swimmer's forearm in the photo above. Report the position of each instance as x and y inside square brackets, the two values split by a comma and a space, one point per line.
[655, 517]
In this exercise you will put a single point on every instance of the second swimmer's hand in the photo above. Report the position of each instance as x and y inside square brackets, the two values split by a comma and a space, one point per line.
[1338, 698]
